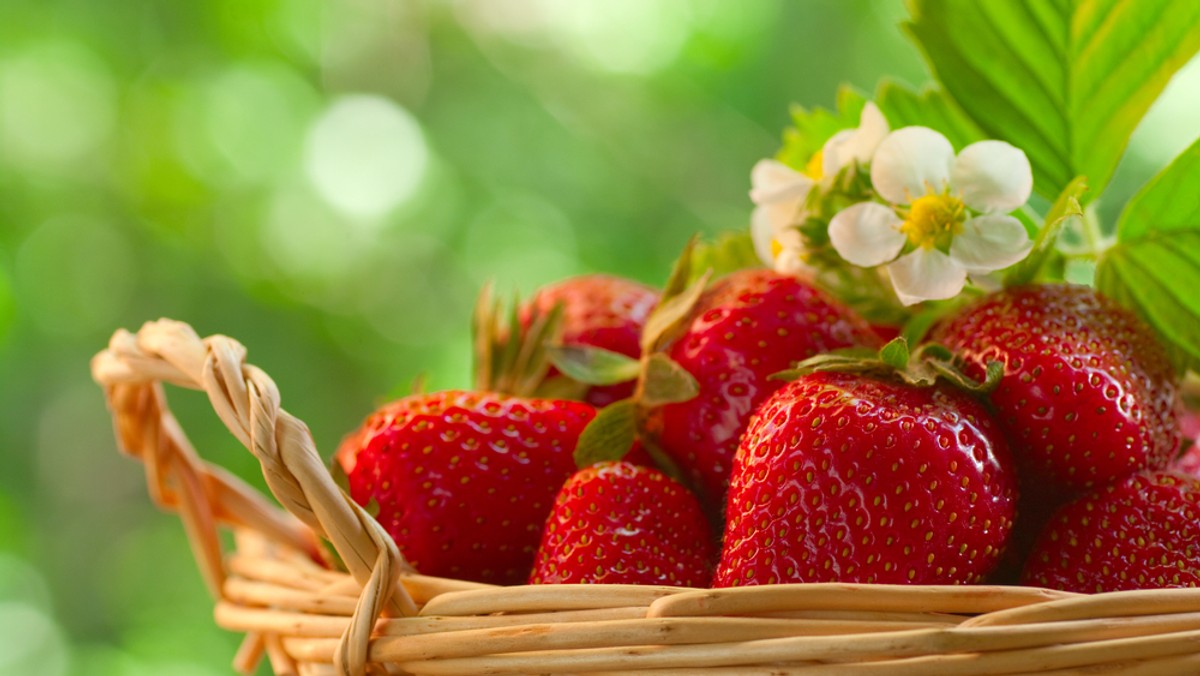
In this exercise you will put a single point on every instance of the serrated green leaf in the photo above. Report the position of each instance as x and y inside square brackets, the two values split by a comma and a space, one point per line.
[1169, 201]
[930, 107]
[1066, 81]
[1157, 276]
[609, 435]
[895, 353]
[1067, 206]
[594, 365]
[666, 382]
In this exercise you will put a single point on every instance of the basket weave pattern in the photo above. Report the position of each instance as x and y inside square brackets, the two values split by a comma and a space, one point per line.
[381, 616]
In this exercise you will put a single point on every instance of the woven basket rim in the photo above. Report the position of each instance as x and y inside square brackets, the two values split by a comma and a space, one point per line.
[278, 587]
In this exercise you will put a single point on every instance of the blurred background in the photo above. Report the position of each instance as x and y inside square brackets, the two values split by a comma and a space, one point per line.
[330, 182]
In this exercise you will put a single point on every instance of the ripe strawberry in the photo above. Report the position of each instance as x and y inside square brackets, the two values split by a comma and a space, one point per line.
[464, 480]
[598, 311]
[1140, 533]
[852, 478]
[620, 523]
[747, 326]
[1088, 394]
[1189, 462]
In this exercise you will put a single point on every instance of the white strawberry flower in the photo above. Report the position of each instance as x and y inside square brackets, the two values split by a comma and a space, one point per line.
[780, 192]
[950, 212]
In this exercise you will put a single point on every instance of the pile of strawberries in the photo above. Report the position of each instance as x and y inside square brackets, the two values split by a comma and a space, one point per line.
[752, 429]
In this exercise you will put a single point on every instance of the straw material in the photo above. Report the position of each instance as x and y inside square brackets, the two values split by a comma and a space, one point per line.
[380, 616]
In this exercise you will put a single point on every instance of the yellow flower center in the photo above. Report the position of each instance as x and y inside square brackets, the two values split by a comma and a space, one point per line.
[933, 220]
[776, 248]
[815, 169]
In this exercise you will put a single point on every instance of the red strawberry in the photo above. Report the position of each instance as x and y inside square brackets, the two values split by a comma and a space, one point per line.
[620, 523]
[1088, 394]
[747, 326]
[464, 480]
[598, 311]
[850, 478]
[1140, 533]
[1189, 462]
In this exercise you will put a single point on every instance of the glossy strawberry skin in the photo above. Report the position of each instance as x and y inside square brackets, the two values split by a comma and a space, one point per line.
[1142, 532]
[747, 326]
[620, 523]
[846, 478]
[464, 481]
[599, 311]
[1088, 394]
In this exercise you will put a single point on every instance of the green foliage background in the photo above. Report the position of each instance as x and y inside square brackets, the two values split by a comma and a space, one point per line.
[330, 183]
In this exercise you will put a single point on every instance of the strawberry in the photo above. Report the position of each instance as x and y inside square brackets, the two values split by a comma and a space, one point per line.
[745, 327]
[600, 311]
[857, 478]
[1088, 394]
[1189, 462]
[464, 481]
[620, 523]
[1139, 533]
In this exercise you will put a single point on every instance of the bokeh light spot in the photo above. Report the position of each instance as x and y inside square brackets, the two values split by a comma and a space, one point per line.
[623, 36]
[247, 123]
[366, 155]
[57, 103]
[313, 245]
[75, 274]
[31, 642]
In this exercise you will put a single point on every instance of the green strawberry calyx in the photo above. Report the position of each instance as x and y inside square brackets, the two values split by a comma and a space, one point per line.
[515, 359]
[660, 381]
[920, 368]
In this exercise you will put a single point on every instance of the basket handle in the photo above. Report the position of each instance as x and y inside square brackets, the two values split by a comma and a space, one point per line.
[132, 371]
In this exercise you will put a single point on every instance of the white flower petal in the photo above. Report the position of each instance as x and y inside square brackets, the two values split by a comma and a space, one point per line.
[855, 145]
[990, 242]
[866, 234]
[790, 237]
[872, 129]
[926, 274]
[992, 176]
[790, 261]
[911, 162]
[837, 152]
[774, 181]
[762, 234]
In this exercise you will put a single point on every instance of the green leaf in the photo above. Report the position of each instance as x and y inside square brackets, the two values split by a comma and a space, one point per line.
[681, 270]
[1067, 81]
[895, 353]
[1157, 276]
[666, 382]
[1155, 267]
[609, 435]
[1169, 201]
[1066, 207]
[812, 128]
[930, 107]
[594, 365]
[670, 313]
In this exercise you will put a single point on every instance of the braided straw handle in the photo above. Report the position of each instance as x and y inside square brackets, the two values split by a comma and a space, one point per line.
[132, 371]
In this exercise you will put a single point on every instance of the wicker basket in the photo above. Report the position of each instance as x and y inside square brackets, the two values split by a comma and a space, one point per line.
[383, 617]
